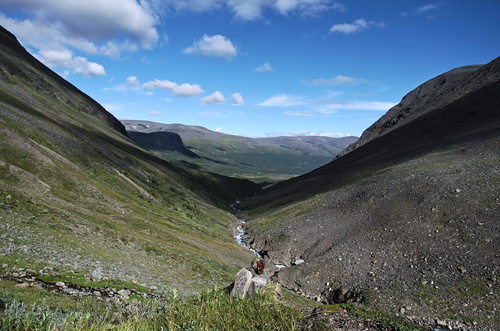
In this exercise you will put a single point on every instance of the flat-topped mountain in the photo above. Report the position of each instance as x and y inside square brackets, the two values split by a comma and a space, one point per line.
[409, 218]
[258, 159]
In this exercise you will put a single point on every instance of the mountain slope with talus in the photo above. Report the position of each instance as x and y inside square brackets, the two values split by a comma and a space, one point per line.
[76, 193]
[409, 218]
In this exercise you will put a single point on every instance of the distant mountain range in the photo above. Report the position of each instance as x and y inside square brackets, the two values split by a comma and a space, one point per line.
[258, 159]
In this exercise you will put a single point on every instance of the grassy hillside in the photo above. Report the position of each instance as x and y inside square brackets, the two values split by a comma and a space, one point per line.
[76, 193]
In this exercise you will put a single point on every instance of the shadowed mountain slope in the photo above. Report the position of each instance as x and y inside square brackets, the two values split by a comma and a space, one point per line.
[407, 219]
[433, 94]
[258, 159]
[83, 195]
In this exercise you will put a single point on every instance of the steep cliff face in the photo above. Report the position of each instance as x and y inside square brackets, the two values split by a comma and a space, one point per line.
[433, 94]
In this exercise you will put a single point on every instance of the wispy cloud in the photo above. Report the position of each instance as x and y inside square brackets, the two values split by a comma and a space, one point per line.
[332, 107]
[213, 46]
[426, 9]
[283, 100]
[264, 68]
[357, 26]
[337, 80]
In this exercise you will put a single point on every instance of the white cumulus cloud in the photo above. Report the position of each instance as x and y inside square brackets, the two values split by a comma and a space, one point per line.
[64, 59]
[213, 46]
[94, 19]
[183, 90]
[237, 99]
[87, 69]
[215, 98]
[56, 28]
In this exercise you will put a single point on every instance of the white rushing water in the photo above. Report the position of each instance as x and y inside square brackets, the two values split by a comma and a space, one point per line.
[242, 240]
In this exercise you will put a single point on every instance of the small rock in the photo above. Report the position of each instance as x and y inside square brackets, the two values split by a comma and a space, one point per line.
[96, 275]
[299, 261]
[96, 293]
[153, 288]
[23, 285]
[60, 284]
[124, 293]
[441, 323]
[402, 310]
[8, 197]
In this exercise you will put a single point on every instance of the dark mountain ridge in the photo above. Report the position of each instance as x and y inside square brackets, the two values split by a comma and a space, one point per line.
[431, 95]
[409, 214]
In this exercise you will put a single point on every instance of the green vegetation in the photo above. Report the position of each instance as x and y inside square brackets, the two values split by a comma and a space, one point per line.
[211, 310]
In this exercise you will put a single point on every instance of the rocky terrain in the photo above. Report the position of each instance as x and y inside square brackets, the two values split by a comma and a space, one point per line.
[406, 222]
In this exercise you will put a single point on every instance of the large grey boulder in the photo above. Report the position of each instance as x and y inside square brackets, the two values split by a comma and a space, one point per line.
[243, 285]
[247, 283]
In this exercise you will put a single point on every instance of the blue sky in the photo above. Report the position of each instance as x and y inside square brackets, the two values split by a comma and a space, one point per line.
[256, 68]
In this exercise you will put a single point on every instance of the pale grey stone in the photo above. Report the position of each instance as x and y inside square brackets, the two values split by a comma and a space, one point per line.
[242, 284]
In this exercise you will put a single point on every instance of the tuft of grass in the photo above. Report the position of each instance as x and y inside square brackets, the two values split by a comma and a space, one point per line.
[214, 309]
